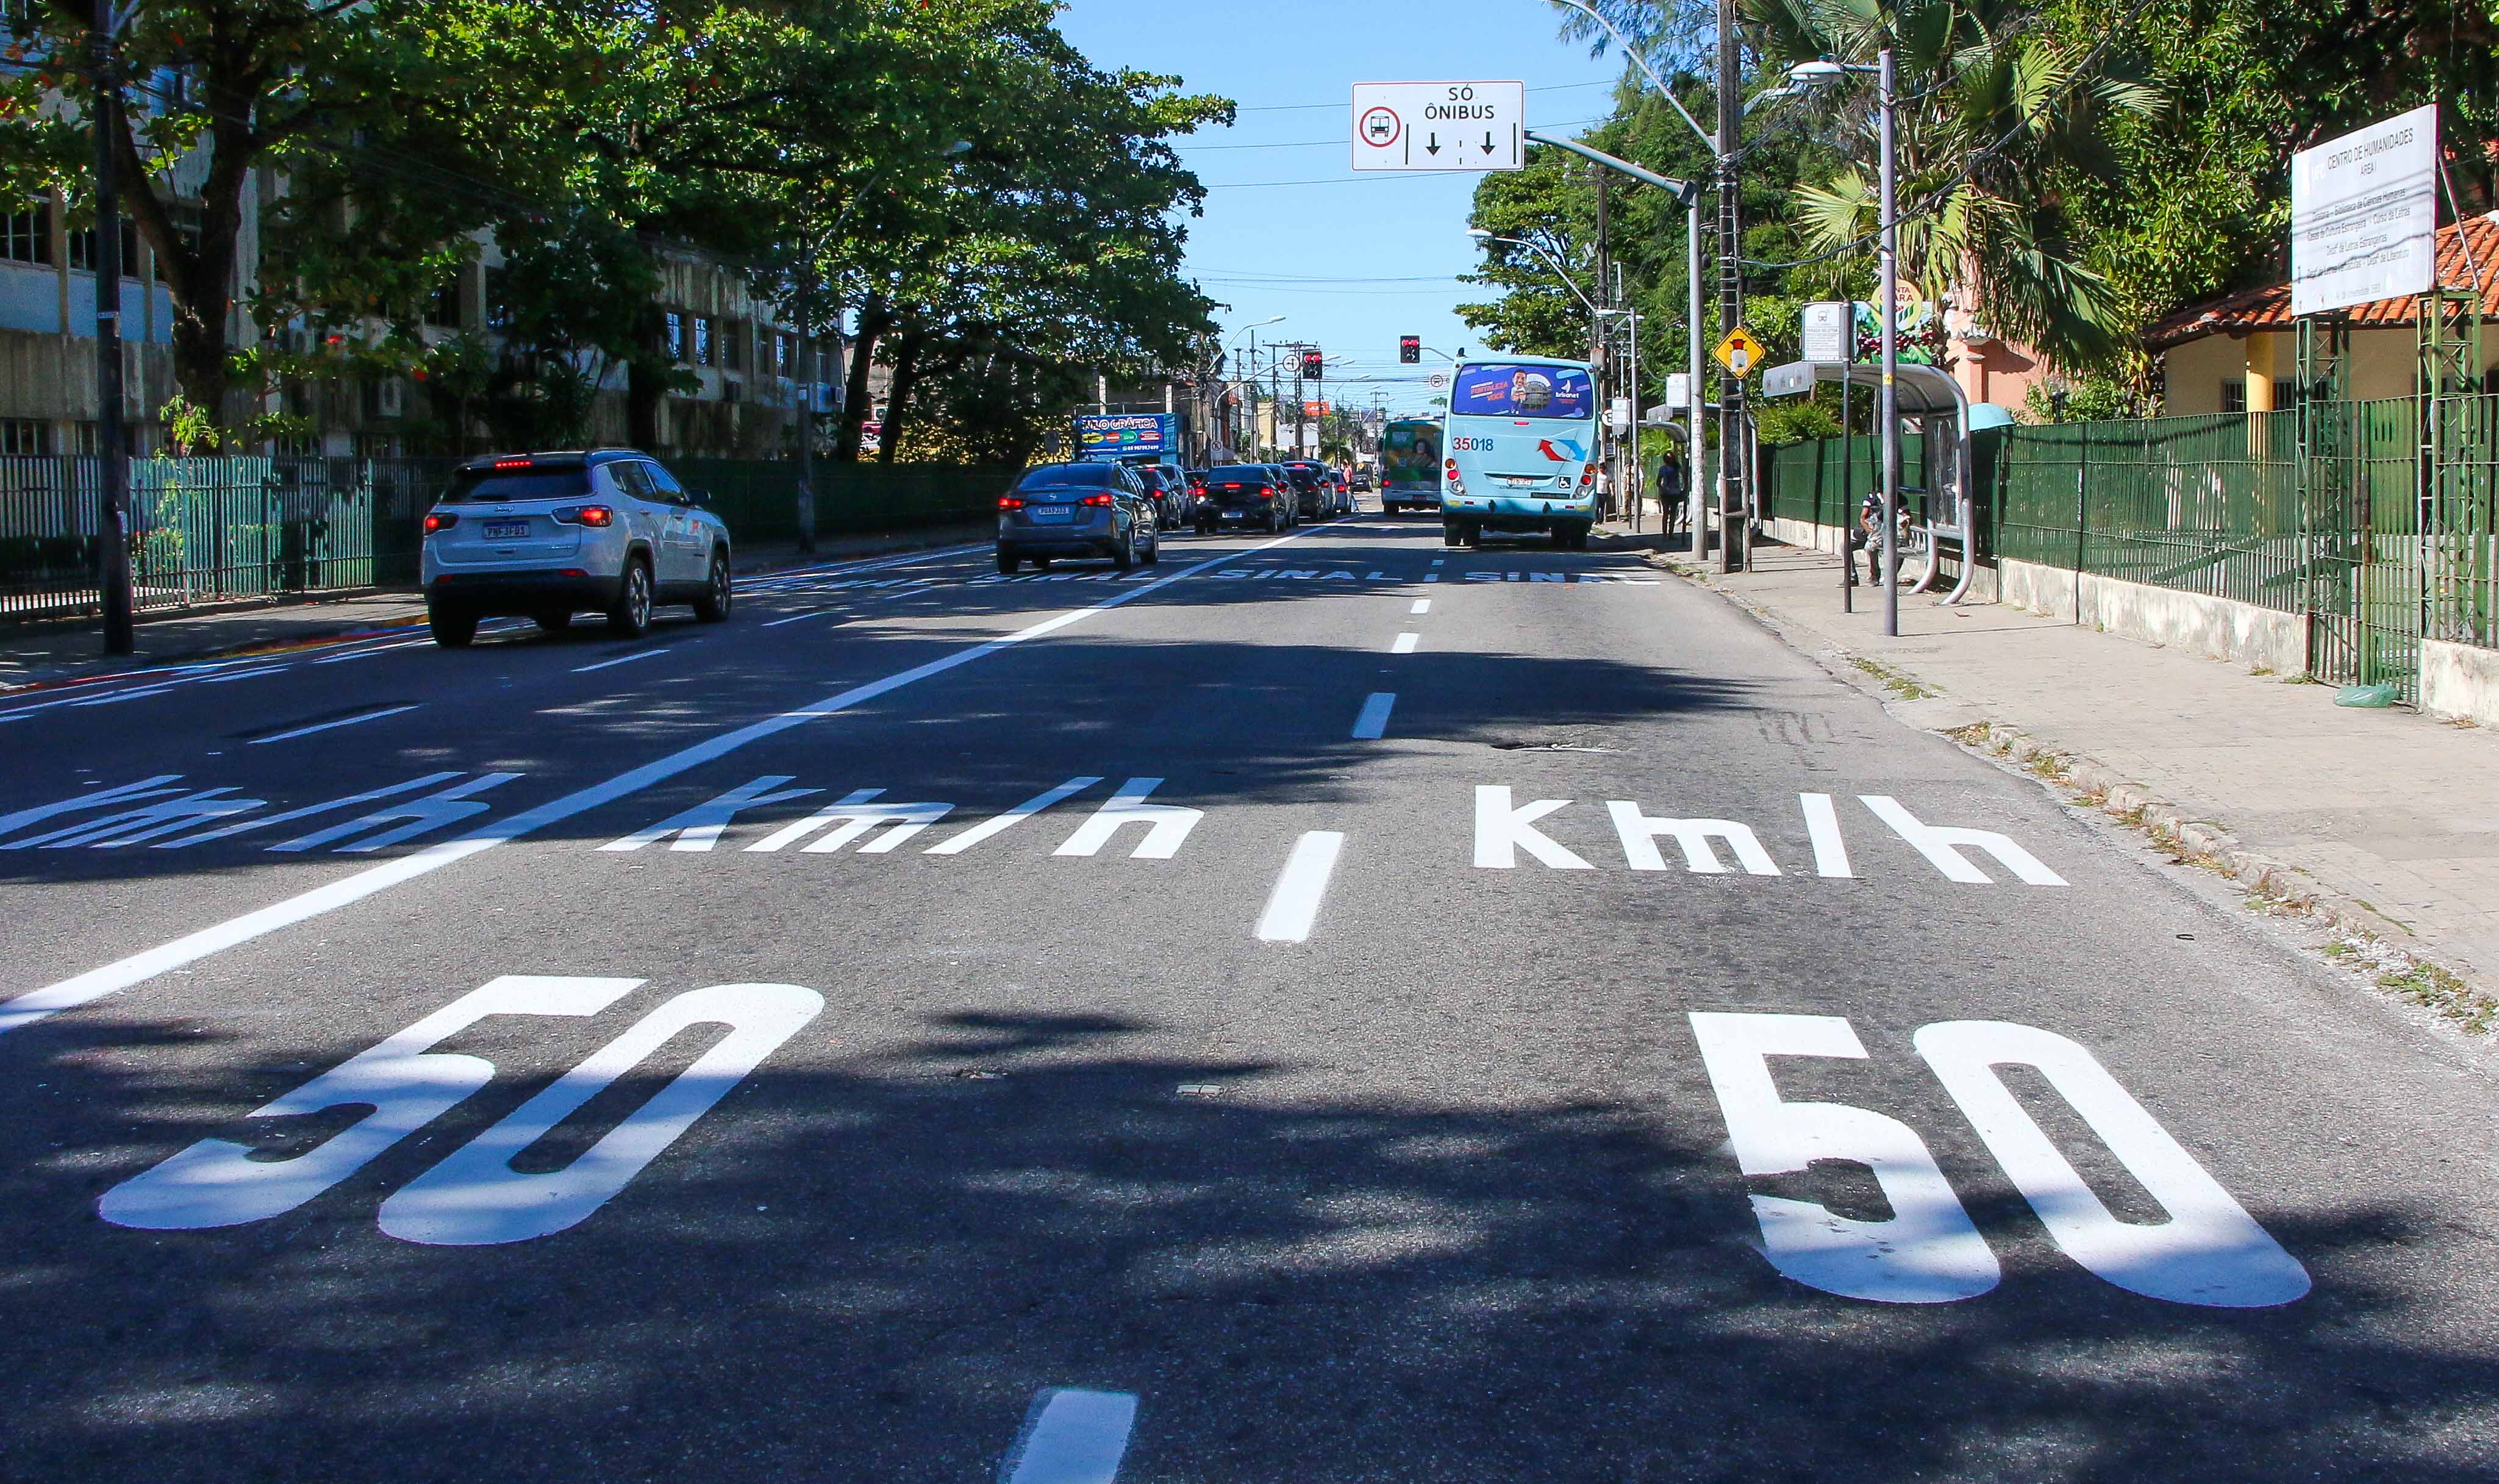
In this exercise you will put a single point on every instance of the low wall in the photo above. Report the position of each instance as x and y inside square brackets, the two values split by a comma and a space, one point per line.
[2459, 680]
[1809, 536]
[2218, 628]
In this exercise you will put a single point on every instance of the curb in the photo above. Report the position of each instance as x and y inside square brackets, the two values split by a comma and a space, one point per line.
[2270, 883]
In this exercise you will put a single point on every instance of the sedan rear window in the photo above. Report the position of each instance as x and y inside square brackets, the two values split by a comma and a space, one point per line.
[1068, 476]
[557, 482]
[1239, 473]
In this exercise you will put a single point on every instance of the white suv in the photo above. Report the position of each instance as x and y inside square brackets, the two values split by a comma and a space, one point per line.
[548, 534]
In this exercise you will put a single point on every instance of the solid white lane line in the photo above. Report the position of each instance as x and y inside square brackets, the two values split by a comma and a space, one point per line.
[584, 670]
[137, 968]
[305, 732]
[1072, 1437]
[801, 617]
[1421, 605]
[1294, 905]
[367, 654]
[1405, 643]
[1375, 715]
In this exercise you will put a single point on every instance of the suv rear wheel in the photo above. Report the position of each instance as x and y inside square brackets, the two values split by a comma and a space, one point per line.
[629, 616]
[452, 628]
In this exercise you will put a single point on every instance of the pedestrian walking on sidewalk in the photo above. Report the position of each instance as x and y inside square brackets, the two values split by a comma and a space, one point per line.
[1670, 492]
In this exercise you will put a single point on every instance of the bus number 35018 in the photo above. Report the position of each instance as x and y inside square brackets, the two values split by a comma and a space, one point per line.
[1464, 445]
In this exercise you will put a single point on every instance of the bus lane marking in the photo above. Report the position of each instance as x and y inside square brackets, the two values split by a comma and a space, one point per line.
[1293, 906]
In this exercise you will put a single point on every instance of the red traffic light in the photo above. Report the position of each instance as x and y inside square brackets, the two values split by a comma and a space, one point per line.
[1409, 348]
[1313, 365]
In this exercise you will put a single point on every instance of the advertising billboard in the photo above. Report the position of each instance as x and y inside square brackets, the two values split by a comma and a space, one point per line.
[1111, 436]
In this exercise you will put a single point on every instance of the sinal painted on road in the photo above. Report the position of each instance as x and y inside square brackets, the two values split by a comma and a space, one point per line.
[1641, 1059]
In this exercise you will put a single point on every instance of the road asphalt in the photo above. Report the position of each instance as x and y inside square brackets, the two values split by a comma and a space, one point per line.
[1324, 1007]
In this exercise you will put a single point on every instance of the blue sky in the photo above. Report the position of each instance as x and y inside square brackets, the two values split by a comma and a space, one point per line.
[1352, 264]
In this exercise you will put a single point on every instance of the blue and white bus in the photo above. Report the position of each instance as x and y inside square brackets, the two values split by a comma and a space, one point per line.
[1520, 450]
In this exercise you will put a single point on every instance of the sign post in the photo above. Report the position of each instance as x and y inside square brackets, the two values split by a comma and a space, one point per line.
[1439, 125]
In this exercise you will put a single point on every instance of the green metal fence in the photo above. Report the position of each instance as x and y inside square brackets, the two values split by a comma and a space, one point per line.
[1822, 482]
[201, 530]
[207, 531]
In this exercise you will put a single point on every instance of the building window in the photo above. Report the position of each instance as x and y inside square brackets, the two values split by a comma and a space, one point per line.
[2234, 395]
[677, 333]
[25, 436]
[82, 250]
[442, 311]
[731, 392]
[733, 344]
[498, 299]
[26, 237]
[780, 354]
[297, 445]
[703, 339]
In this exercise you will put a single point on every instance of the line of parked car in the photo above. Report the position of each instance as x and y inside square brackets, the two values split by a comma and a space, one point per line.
[1122, 512]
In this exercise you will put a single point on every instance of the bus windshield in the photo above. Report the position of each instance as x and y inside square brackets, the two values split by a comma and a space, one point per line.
[1496, 390]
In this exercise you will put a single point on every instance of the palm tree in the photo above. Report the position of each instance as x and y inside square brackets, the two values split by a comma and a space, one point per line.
[1991, 114]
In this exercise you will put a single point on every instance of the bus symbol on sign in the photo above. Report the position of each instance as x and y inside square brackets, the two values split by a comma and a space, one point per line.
[1381, 127]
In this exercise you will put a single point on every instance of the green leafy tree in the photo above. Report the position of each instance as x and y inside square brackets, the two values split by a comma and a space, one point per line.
[1996, 116]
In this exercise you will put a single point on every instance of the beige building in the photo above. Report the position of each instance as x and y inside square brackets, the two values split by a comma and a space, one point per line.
[2241, 354]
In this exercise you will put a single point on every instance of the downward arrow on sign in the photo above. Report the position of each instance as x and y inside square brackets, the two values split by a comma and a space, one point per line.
[1434, 147]
[1487, 142]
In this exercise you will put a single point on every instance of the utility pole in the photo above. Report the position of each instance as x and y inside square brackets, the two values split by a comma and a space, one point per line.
[1732, 473]
[113, 573]
[1889, 398]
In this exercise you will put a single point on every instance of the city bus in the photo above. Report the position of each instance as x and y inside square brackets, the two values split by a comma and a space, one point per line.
[1410, 464]
[1520, 450]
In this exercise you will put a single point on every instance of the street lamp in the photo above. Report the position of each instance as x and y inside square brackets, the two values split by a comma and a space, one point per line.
[1484, 234]
[1248, 408]
[1823, 72]
[1731, 520]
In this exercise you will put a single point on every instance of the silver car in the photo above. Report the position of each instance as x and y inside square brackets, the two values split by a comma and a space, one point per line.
[549, 534]
[1077, 510]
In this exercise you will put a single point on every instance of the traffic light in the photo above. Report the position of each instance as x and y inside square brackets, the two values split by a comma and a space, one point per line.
[1409, 349]
[1313, 365]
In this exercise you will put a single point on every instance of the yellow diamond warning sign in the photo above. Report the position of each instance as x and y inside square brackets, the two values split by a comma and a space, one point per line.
[1739, 352]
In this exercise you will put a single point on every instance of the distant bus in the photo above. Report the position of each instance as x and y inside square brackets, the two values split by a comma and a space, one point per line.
[1410, 464]
[1520, 450]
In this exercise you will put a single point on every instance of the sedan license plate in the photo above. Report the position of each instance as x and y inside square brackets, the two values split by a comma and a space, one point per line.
[506, 531]
[1044, 514]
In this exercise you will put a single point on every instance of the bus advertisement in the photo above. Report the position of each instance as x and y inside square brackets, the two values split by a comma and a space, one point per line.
[1520, 451]
[1410, 464]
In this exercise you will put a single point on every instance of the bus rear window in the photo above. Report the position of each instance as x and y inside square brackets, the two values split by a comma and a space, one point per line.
[1521, 391]
[556, 482]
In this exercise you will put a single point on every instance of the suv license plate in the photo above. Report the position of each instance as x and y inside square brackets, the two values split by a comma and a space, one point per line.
[506, 531]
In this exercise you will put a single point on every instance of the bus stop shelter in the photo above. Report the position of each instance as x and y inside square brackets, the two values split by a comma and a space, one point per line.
[1929, 396]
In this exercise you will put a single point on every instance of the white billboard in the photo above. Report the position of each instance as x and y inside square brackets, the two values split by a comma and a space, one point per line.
[2364, 216]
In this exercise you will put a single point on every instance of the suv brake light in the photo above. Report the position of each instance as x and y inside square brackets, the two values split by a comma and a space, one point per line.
[596, 516]
[515, 464]
[440, 520]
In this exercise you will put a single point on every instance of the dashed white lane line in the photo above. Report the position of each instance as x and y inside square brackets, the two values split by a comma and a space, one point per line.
[1294, 905]
[1430, 576]
[1072, 1437]
[584, 670]
[367, 654]
[796, 618]
[350, 720]
[1375, 715]
[1437, 561]
[1405, 643]
[94, 985]
[1421, 605]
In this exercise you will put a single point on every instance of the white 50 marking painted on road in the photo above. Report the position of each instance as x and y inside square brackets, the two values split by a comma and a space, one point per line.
[2209, 1252]
[474, 1197]
[110, 979]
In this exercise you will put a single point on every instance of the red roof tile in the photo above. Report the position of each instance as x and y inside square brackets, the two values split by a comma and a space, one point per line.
[2468, 254]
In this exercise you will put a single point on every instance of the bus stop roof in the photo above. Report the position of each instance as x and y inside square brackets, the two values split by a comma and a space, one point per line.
[1921, 389]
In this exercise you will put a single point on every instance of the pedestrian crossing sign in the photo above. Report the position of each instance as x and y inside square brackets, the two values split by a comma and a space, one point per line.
[1739, 352]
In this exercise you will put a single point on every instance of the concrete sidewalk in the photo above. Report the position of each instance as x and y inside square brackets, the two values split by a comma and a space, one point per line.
[2385, 822]
[52, 653]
